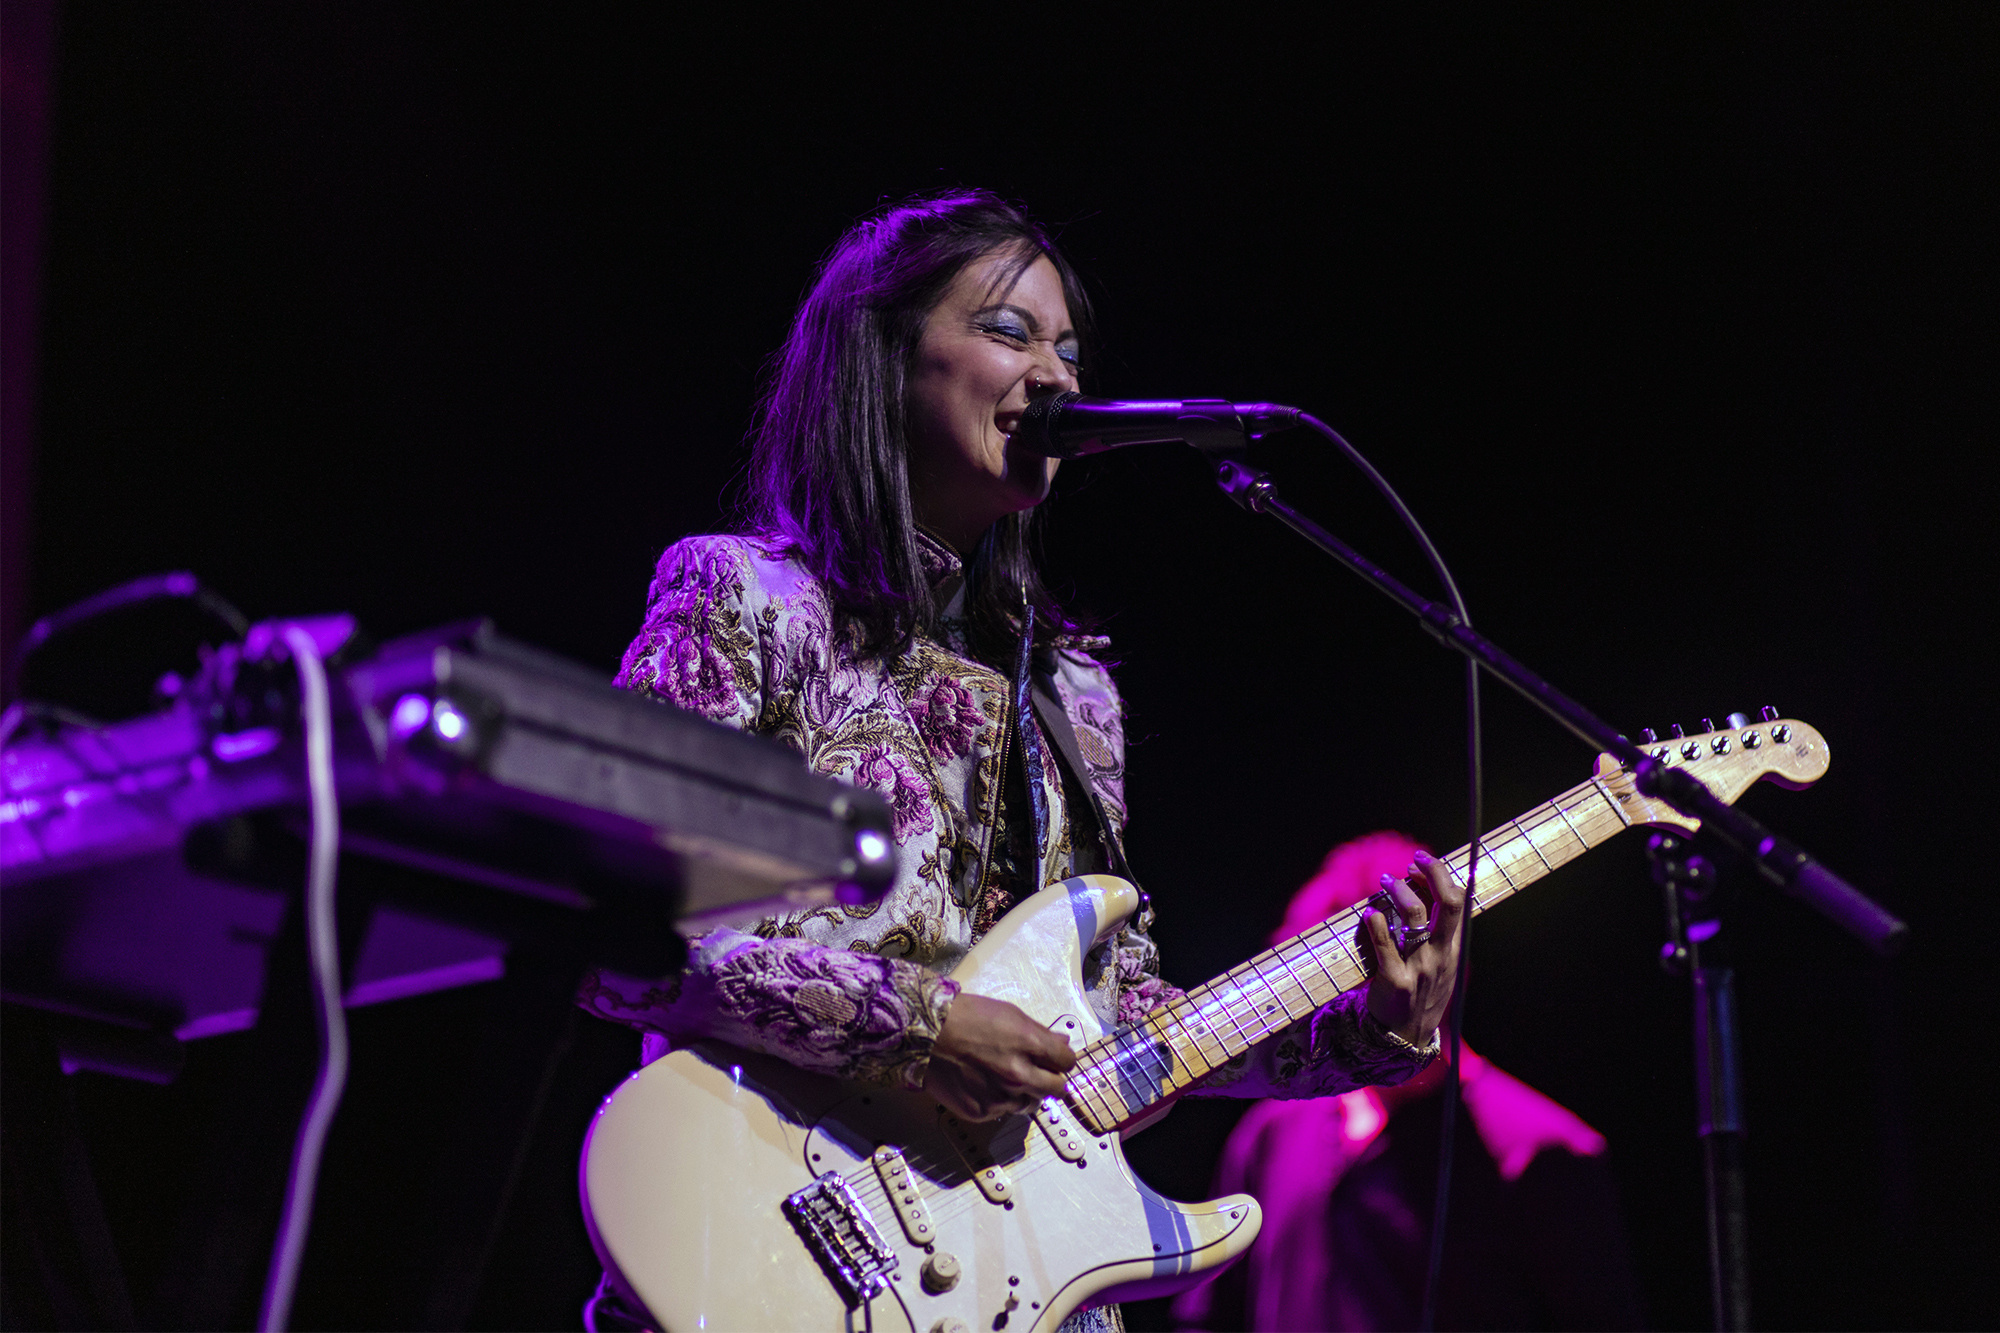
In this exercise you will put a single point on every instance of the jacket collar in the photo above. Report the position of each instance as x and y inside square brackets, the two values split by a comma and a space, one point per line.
[942, 569]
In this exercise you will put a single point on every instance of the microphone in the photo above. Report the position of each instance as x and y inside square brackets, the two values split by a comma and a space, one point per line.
[1069, 425]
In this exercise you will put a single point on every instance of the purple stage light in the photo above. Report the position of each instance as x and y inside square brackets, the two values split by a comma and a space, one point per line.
[447, 721]
[234, 747]
[412, 711]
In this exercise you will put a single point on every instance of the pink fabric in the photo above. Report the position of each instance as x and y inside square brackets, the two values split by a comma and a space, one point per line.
[1350, 873]
[1515, 1122]
[1290, 1155]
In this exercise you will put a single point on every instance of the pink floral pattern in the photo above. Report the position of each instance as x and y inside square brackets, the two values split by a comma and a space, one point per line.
[829, 1010]
[896, 778]
[948, 717]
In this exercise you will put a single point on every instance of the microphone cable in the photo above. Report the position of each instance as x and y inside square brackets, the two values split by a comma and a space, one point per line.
[1455, 1015]
[323, 950]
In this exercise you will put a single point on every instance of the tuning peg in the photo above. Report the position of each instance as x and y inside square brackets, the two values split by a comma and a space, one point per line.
[1652, 737]
[1768, 713]
[1708, 724]
[1737, 721]
[1678, 733]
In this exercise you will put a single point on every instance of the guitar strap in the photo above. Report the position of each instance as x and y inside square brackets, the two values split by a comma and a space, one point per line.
[1056, 722]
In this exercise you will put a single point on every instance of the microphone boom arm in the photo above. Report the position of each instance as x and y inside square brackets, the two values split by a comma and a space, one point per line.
[1778, 862]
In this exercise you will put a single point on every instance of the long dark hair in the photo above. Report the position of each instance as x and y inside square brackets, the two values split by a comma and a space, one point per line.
[829, 465]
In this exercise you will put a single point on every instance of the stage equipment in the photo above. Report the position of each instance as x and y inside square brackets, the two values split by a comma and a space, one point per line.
[491, 812]
[727, 1189]
[138, 856]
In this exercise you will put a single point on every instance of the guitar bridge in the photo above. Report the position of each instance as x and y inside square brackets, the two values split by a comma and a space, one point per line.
[836, 1227]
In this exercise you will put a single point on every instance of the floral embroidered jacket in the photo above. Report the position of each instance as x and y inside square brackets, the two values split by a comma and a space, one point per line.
[737, 632]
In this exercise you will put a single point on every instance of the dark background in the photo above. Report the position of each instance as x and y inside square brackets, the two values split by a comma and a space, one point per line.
[1675, 325]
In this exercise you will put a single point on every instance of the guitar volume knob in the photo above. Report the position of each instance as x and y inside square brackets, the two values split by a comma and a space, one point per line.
[940, 1274]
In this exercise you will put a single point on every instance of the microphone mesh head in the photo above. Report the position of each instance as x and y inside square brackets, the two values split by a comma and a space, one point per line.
[1038, 428]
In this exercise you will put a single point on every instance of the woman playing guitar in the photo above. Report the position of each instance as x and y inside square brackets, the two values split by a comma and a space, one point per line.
[880, 612]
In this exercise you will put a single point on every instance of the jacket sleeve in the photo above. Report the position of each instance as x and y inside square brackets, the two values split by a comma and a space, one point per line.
[832, 1011]
[704, 648]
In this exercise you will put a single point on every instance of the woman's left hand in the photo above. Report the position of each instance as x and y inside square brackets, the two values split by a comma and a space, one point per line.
[1410, 992]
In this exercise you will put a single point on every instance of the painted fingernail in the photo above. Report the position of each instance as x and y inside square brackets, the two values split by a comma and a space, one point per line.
[1422, 858]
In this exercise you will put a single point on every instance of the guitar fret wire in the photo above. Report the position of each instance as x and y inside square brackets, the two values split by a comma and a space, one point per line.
[1104, 1081]
[1179, 1046]
[1564, 816]
[1264, 1018]
[1282, 962]
[1106, 1110]
[1087, 1077]
[1238, 1004]
[1231, 996]
[1341, 936]
[1557, 811]
[1168, 1034]
[1204, 1000]
[1350, 949]
[1623, 817]
[1532, 846]
[1200, 1017]
[1312, 951]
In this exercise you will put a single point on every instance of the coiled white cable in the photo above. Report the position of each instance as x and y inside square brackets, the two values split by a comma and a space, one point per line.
[323, 950]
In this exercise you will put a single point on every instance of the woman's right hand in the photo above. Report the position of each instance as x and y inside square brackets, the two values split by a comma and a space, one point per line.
[991, 1059]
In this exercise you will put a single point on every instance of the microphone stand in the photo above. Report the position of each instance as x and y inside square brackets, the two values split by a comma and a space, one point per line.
[1688, 879]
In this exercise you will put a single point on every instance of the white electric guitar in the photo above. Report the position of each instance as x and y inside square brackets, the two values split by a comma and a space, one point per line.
[728, 1190]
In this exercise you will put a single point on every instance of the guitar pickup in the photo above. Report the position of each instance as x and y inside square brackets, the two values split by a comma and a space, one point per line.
[904, 1196]
[991, 1178]
[1064, 1135]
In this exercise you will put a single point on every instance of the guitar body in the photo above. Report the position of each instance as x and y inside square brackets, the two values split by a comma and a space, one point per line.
[690, 1163]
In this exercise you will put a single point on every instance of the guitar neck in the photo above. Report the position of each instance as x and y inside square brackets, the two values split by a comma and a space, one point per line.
[1118, 1078]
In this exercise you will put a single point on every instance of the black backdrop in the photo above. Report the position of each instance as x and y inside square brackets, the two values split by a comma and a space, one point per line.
[1675, 326]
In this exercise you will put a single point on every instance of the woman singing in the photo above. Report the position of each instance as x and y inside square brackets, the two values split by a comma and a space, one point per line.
[879, 611]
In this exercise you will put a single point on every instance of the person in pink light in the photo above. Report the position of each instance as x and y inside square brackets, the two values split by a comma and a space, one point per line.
[1347, 1183]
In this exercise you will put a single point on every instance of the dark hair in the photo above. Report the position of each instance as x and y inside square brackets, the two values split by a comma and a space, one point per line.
[829, 465]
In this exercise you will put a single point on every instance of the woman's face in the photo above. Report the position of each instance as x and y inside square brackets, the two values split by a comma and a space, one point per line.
[985, 354]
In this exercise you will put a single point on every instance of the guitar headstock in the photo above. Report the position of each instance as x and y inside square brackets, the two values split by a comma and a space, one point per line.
[1728, 762]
